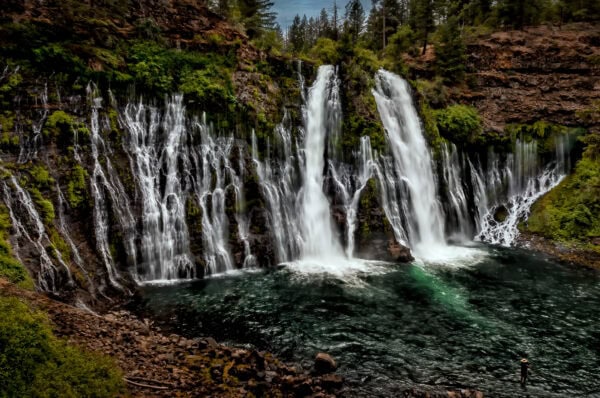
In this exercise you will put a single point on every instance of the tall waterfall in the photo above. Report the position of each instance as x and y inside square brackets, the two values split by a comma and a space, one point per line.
[412, 161]
[322, 107]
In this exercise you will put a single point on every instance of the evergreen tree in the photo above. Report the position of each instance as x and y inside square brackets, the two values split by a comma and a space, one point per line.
[324, 28]
[335, 22]
[450, 53]
[256, 16]
[296, 35]
[354, 20]
[384, 19]
[421, 19]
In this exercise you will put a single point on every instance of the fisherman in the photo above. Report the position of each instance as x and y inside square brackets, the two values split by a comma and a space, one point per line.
[524, 370]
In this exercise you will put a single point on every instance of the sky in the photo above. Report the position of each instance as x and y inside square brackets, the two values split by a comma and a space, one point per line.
[287, 9]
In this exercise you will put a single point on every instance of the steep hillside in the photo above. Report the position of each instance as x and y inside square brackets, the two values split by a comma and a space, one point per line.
[543, 73]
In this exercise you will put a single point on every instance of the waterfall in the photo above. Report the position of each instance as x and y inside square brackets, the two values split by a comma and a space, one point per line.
[105, 180]
[213, 179]
[527, 181]
[30, 145]
[412, 162]
[28, 225]
[350, 183]
[278, 179]
[164, 235]
[458, 216]
[322, 107]
[183, 212]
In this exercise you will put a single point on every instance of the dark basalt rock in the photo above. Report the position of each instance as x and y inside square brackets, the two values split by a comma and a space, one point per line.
[374, 237]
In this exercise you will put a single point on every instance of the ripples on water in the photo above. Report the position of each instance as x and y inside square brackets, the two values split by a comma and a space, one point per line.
[464, 323]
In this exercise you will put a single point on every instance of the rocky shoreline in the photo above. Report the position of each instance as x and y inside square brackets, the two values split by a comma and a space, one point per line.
[564, 254]
[159, 364]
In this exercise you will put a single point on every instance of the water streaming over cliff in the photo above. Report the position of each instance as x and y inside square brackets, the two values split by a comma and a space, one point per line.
[169, 197]
[318, 237]
[412, 161]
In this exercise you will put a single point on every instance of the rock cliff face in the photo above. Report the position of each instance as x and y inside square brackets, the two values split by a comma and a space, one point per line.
[542, 73]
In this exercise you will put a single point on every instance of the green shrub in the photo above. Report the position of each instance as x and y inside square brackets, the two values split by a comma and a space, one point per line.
[326, 51]
[460, 124]
[34, 363]
[206, 87]
[570, 213]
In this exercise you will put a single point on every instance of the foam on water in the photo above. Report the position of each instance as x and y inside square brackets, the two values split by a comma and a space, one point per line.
[450, 256]
[339, 268]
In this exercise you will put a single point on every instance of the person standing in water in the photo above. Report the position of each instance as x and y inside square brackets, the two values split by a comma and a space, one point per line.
[524, 370]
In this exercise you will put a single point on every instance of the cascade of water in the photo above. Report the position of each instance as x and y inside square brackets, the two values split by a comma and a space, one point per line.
[240, 215]
[64, 230]
[527, 181]
[214, 177]
[412, 162]
[164, 238]
[102, 182]
[17, 198]
[322, 105]
[29, 145]
[278, 179]
[349, 183]
[458, 199]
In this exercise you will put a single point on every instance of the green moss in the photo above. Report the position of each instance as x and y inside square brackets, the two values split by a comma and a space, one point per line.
[58, 123]
[77, 188]
[570, 213]
[45, 206]
[9, 141]
[460, 124]
[34, 363]
[59, 244]
[13, 81]
[10, 267]
[432, 133]
[41, 177]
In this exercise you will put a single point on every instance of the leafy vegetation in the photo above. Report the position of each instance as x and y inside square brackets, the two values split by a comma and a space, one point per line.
[459, 123]
[570, 213]
[34, 363]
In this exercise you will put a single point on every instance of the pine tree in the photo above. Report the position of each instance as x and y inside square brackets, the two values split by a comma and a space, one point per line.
[296, 35]
[421, 18]
[335, 22]
[354, 20]
[256, 16]
[450, 53]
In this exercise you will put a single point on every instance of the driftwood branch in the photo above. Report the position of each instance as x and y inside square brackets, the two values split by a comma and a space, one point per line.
[154, 387]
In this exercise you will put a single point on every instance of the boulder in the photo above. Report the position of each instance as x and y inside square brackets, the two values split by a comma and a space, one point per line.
[398, 252]
[324, 363]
